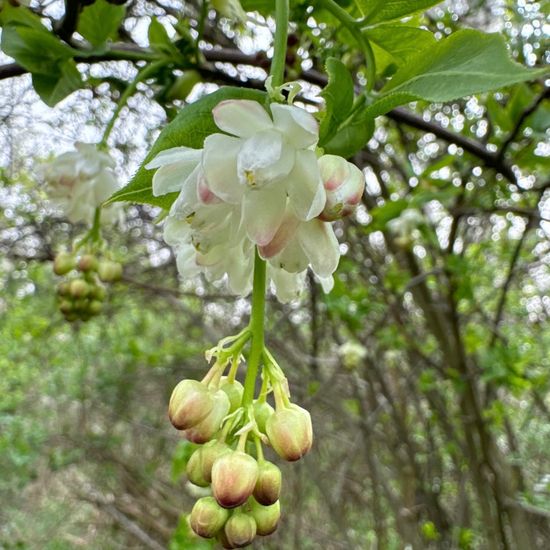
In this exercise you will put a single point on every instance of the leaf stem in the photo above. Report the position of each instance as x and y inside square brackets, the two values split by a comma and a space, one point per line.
[278, 63]
[256, 327]
[130, 89]
[353, 27]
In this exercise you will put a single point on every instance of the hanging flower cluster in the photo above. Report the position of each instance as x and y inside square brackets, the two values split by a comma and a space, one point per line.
[258, 184]
[79, 181]
[230, 460]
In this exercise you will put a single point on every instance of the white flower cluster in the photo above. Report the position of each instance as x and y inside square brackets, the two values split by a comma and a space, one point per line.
[79, 181]
[259, 184]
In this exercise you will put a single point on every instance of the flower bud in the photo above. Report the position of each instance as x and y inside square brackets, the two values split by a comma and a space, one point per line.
[266, 517]
[190, 403]
[262, 412]
[98, 292]
[290, 432]
[207, 428]
[209, 454]
[268, 484]
[234, 477]
[240, 530]
[87, 262]
[109, 271]
[207, 517]
[66, 307]
[95, 307]
[234, 391]
[63, 288]
[63, 263]
[193, 469]
[344, 184]
[78, 288]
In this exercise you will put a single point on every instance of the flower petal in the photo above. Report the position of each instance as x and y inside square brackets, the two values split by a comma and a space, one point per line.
[241, 117]
[292, 259]
[288, 286]
[299, 127]
[305, 188]
[219, 163]
[187, 200]
[173, 155]
[264, 158]
[284, 234]
[320, 245]
[263, 212]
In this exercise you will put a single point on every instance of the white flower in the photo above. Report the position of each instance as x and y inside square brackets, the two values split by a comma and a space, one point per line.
[344, 184]
[268, 161]
[79, 181]
[298, 244]
[352, 353]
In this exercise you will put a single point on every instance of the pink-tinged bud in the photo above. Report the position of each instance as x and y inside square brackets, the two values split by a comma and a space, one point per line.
[262, 413]
[109, 271]
[191, 402]
[63, 263]
[290, 432]
[344, 184]
[268, 484]
[234, 391]
[78, 288]
[240, 530]
[210, 453]
[207, 517]
[234, 477]
[207, 428]
[266, 517]
[87, 262]
[193, 469]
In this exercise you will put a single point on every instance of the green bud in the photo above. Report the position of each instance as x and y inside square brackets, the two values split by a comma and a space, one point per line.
[63, 288]
[98, 292]
[206, 429]
[207, 517]
[234, 391]
[95, 307]
[190, 403]
[87, 262]
[290, 432]
[234, 477]
[63, 263]
[262, 412]
[240, 530]
[210, 453]
[222, 538]
[266, 517]
[193, 469]
[65, 306]
[109, 271]
[268, 485]
[78, 288]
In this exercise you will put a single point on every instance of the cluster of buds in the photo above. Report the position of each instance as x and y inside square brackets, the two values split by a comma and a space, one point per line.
[231, 433]
[80, 296]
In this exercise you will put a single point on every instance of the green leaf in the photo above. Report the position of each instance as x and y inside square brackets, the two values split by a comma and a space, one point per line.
[397, 43]
[338, 96]
[466, 63]
[159, 39]
[56, 86]
[351, 138]
[190, 128]
[19, 15]
[100, 21]
[37, 50]
[376, 11]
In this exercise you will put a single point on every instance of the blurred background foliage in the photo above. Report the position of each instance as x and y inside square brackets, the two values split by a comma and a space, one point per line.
[436, 438]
